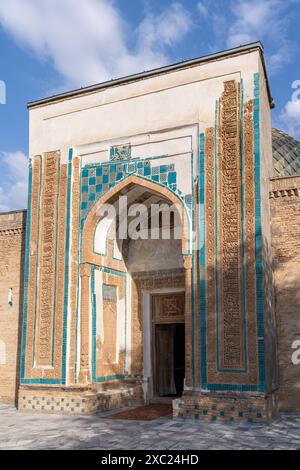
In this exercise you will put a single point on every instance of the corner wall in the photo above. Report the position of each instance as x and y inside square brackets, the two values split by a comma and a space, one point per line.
[285, 212]
[12, 250]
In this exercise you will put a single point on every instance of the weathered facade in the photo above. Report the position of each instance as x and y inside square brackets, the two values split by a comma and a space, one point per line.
[12, 253]
[109, 322]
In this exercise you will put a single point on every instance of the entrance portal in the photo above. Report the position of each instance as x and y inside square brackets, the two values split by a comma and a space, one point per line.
[169, 360]
[168, 344]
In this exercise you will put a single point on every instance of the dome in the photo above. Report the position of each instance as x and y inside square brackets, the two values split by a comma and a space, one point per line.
[286, 154]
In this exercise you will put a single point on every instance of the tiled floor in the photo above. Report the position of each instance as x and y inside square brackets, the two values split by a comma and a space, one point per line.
[37, 431]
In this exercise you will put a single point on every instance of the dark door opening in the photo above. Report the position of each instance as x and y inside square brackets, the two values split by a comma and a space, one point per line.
[169, 359]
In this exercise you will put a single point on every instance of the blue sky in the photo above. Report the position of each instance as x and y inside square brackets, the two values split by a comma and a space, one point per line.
[49, 46]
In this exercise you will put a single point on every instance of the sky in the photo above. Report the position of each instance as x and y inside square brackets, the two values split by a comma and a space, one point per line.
[51, 46]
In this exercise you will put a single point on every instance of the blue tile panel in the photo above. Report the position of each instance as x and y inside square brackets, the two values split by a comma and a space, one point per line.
[120, 152]
[70, 402]
[109, 293]
[221, 411]
[96, 180]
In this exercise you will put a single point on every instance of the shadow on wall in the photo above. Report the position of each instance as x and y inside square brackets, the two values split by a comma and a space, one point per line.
[286, 270]
[229, 270]
[225, 276]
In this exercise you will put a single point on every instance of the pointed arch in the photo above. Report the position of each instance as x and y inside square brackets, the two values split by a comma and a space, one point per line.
[87, 253]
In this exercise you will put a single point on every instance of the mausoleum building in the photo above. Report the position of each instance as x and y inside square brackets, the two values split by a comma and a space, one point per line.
[209, 319]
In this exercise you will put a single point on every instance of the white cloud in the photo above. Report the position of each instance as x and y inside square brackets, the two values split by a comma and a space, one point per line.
[265, 20]
[88, 43]
[13, 184]
[202, 9]
[238, 22]
[289, 118]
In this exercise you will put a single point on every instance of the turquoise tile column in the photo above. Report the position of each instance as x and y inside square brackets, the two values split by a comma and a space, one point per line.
[202, 261]
[26, 275]
[258, 237]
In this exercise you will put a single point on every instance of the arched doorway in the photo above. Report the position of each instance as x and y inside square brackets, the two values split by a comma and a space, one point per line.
[144, 284]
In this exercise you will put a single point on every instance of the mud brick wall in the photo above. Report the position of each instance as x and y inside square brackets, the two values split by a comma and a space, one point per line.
[285, 212]
[12, 251]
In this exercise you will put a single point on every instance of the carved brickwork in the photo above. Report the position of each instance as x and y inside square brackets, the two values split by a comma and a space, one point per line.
[249, 215]
[60, 272]
[48, 208]
[230, 241]
[33, 246]
[168, 307]
[285, 187]
[47, 259]
[224, 244]
[210, 260]
[74, 264]
[285, 211]
[11, 232]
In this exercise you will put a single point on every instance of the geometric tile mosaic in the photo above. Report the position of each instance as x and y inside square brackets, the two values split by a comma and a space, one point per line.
[97, 179]
[109, 293]
[219, 413]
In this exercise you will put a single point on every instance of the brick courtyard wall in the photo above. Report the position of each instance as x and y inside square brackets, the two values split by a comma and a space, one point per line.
[12, 250]
[285, 211]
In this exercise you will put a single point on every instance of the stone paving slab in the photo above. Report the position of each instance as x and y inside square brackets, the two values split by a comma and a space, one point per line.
[22, 431]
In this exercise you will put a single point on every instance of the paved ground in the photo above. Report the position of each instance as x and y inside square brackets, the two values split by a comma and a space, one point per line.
[37, 431]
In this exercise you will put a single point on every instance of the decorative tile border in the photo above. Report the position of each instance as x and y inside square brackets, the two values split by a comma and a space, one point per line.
[226, 408]
[258, 239]
[74, 269]
[47, 262]
[211, 149]
[81, 402]
[109, 293]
